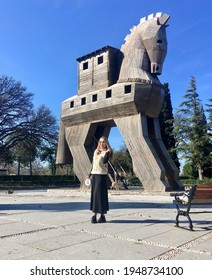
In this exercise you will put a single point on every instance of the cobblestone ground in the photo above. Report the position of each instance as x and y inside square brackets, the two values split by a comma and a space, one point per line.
[55, 225]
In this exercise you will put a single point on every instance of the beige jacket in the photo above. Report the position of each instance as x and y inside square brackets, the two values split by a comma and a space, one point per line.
[100, 165]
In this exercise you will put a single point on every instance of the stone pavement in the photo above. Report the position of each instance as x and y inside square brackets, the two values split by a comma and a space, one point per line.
[55, 225]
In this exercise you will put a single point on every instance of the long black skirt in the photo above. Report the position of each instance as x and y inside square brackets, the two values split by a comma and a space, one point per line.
[99, 194]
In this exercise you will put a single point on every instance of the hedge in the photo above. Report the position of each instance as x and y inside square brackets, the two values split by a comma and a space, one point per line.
[38, 181]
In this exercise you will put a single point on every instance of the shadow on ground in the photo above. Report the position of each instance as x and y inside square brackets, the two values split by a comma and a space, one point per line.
[76, 206]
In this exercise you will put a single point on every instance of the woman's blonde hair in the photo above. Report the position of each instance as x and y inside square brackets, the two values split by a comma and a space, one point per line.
[108, 147]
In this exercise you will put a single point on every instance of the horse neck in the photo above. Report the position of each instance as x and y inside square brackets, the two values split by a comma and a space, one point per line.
[135, 64]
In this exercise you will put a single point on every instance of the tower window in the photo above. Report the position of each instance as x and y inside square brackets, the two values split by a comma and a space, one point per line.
[72, 104]
[85, 65]
[108, 93]
[83, 101]
[100, 59]
[94, 97]
[127, 89]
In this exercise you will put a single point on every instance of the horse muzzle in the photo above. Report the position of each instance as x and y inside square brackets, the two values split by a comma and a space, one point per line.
[156, 68]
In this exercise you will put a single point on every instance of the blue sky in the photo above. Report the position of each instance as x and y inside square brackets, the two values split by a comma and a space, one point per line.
[41, 40]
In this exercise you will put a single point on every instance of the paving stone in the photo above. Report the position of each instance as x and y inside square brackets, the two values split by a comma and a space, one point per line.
[41, 225]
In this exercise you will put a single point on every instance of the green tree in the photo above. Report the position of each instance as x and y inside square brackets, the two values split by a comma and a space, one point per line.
[209, 111]
[41, 133]
[208, 165]
[15, 109]
[191, 131]
[23, 129]
[187, 170]
[123, 161]
[166, 120]
[49, 154]
[26, 152]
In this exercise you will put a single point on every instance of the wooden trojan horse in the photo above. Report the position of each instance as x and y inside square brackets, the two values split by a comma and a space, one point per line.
[120, 88]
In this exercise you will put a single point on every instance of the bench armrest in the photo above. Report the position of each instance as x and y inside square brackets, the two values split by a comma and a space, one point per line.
[177, 194]
[181, 197]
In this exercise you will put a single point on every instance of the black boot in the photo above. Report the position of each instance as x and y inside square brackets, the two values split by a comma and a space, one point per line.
[102, 219]
[93, 219]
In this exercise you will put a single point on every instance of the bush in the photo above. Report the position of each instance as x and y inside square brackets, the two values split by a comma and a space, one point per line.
[134, 181]
[30, 181]
[196, 181]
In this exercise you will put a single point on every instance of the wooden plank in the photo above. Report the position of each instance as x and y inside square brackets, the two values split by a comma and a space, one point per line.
[204, 191]
[202, 201]
[204, 186]
[203, 197]
[203, 194]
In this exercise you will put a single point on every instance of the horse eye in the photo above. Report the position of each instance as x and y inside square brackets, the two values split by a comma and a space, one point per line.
[159, 41]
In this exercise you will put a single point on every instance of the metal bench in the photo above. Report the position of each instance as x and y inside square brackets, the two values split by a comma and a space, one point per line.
[196, 195]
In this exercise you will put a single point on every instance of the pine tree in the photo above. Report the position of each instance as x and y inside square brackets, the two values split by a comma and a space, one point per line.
[166, 120]
[209, 110]
[191, 130]
[208, 171]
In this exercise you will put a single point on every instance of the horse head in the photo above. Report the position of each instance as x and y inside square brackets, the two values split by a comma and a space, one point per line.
[155, 42]
[145, 49]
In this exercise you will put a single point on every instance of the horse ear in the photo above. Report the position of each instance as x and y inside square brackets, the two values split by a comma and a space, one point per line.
[163, 20]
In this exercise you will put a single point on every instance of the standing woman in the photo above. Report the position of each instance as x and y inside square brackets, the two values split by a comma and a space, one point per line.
[99, 191]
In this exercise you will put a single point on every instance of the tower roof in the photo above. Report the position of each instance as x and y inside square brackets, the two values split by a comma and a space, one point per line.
[94, 53]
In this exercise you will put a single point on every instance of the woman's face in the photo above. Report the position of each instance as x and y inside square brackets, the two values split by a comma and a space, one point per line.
[102, 144]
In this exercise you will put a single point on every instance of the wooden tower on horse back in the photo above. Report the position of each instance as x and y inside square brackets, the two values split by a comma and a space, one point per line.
[120, 88]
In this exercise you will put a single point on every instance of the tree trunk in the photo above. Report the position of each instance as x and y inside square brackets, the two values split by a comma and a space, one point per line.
[30, 166]
[200, 172]
[19, 166]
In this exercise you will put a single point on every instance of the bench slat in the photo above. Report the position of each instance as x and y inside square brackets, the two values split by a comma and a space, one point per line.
[204, 186]
[203, 190]
[202, 201]
[206, 195]
[202, 197]
[203, 193]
